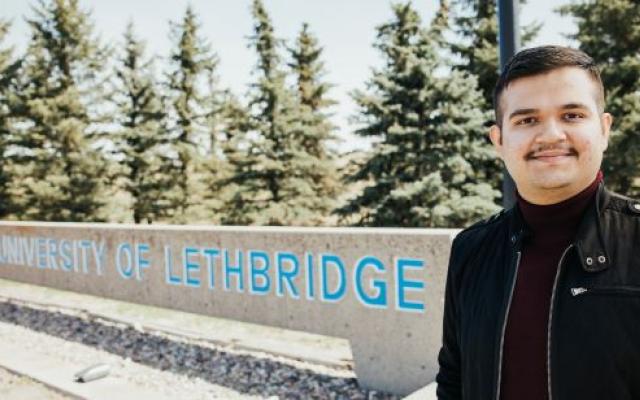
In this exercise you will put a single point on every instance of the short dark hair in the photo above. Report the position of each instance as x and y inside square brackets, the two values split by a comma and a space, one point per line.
[540, 60]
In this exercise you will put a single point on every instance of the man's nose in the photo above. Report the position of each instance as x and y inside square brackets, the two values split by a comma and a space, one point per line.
[551, 131]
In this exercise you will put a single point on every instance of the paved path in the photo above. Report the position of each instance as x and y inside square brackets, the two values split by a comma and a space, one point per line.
[18, 387]
[53, 361]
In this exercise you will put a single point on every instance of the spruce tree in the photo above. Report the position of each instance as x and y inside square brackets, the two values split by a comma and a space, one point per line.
[8, 73]
[260, 176]
[608, 32]
[193, 63]
[321, 185]
[221, 106]
[309, 69]
[59, 172]
[476, 23]
[276, 180]
[142, 137]
[235, 121]
[428, 121]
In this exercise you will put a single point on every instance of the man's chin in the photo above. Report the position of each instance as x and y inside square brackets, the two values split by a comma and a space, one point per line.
[556, 182]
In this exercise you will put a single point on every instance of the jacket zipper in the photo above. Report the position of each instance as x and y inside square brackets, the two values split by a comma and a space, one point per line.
[504, 326]
[549, 322]
[628, 290]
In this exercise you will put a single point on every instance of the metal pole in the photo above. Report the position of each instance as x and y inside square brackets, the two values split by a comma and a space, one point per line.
[509, 41]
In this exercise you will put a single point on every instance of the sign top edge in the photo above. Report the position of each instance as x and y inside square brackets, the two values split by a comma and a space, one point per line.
[232, 228]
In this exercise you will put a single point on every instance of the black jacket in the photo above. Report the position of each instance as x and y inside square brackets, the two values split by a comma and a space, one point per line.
[594, 319]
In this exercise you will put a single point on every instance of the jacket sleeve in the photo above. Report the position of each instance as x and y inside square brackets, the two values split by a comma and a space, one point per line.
[449, 380]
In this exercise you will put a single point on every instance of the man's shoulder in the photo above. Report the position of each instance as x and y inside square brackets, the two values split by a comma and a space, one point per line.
[484, 235]
[484, 231]
[623, 205]
[488, 224]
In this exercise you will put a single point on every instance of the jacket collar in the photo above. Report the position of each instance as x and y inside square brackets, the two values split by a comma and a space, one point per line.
[589, 240]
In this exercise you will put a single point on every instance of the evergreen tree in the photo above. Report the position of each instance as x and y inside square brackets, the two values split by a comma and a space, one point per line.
[309, 68]
[476, 22]
[607, 31]
[223, 108]
[260, 175]
[140, 141]
[321, 185]
[60, 174]
[429, 122]
[277, 180]
[236, 128]
[8, 70]
[192, 65]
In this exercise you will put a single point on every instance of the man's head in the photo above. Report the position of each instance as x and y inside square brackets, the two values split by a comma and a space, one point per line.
[540, 60]
[551, 129]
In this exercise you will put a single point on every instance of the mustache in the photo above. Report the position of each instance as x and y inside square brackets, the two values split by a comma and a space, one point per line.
[533, 153]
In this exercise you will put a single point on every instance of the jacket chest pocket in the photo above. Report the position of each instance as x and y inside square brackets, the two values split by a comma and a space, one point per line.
[609, 305]
[611, 309]
[599, 325]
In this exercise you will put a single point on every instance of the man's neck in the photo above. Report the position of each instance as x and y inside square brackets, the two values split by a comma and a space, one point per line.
[556, 195]
[557, 222]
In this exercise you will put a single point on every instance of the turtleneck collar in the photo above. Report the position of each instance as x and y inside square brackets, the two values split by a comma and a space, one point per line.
[560, 220]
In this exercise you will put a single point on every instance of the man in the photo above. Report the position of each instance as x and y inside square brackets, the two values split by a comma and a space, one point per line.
[543, 300]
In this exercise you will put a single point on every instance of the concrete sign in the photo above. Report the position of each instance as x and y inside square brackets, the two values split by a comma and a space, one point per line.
[382, 289]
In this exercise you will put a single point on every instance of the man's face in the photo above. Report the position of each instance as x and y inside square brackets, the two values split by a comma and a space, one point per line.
[553, 136]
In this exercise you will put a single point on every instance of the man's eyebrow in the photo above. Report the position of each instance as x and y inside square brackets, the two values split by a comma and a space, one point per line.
[568, 106]
[523, 111]
[572, 106]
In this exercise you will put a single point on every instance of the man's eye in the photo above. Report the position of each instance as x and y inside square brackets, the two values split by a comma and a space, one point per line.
[573, 116]
[526, 121]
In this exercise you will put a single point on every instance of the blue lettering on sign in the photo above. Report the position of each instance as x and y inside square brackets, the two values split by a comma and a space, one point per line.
[285, 277]
[3, 248]
[141, 261]
[65, 254]
[236, 270]
[53, 252]
[310, 292]
[190, 266]
[42, 253]
[325, 294]
[403, 285]
[210, 254]
[84, 246]
[380, 299]
[320, 275]
[12, 249]
[261, 272]
[125, 270]
[169, 278]
[28, 248]
[99, 255]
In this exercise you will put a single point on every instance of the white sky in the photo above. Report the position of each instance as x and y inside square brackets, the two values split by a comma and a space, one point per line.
[345, 29]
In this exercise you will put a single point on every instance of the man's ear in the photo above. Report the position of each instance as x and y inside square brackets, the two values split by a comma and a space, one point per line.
[495, 134]
[606, 120]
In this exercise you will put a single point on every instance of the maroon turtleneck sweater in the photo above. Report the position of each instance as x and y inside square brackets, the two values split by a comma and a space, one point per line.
[552, 228]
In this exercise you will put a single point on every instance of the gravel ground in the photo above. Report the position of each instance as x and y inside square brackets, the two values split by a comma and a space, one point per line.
[169, 363]
[16, 387]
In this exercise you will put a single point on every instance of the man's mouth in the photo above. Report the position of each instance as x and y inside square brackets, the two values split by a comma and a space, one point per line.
[551, 155]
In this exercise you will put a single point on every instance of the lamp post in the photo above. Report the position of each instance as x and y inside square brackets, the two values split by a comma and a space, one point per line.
[509, 41]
